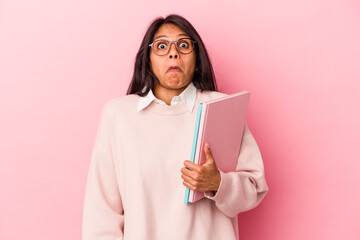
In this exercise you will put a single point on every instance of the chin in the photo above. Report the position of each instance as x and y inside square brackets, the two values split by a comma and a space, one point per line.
[176, 83]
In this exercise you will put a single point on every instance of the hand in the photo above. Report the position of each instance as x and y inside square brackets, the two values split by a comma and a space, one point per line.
[202, 178]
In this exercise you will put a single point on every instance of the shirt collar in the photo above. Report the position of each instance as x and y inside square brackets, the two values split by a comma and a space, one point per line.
[188, 97]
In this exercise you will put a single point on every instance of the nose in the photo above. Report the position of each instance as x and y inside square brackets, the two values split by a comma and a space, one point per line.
[173, 53]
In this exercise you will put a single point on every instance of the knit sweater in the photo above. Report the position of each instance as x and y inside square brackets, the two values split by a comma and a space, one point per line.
[134, 188]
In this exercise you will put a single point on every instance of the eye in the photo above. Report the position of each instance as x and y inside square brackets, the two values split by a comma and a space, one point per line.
[183, 44]
[161, 45]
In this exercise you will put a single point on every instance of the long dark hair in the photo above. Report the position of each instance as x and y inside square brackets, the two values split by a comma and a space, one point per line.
[204, 77]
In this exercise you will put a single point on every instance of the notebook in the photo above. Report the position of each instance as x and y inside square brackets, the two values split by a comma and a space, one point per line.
[220, 122]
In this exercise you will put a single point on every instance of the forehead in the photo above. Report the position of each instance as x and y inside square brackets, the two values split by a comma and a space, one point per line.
[169, 30]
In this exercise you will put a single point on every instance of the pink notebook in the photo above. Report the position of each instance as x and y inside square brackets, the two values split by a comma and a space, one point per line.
[220, 123]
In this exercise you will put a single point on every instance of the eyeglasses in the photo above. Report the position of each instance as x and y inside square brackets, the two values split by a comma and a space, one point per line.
[162, 47]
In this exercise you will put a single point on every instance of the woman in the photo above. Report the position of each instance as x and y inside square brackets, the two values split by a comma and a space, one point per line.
[139, 167]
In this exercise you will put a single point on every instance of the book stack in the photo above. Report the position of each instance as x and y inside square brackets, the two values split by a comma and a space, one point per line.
[220, 122]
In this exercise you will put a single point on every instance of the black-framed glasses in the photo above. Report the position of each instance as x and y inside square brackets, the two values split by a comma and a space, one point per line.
[162, 47]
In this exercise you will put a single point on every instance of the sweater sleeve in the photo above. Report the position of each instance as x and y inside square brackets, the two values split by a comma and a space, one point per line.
[103, 214]
[244, 188]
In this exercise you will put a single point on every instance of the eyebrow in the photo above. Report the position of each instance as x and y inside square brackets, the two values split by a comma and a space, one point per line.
[181, 34]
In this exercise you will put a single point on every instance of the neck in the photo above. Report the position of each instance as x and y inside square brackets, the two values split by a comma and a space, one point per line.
[166, 94]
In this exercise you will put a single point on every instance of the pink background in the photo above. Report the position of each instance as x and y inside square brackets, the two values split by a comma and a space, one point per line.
[60, 61]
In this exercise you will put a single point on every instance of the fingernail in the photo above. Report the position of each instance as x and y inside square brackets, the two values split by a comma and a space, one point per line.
[207, 145]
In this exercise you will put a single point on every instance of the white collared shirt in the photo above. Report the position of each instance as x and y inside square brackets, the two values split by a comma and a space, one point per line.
[188, 97]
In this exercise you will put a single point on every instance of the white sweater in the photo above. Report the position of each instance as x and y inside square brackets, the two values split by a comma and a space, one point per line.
[134, 187]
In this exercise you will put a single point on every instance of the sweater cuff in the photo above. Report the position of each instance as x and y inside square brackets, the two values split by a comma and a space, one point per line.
[220, 194]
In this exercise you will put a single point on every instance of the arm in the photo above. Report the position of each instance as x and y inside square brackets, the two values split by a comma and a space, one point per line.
[243, 189]
[103, 213]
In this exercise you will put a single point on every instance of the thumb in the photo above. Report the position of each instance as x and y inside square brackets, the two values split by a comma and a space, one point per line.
[208, 153]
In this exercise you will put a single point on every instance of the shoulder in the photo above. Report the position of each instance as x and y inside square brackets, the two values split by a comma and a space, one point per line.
[123, 104]
[209, 95]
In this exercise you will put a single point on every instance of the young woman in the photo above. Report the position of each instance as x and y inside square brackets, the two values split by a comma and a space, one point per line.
[139, 167]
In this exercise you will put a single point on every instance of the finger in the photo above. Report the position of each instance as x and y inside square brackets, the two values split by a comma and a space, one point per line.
[192, 174]
[188, 185]
[186, 171]
[198, 188]
[189, 180]
[191, 165]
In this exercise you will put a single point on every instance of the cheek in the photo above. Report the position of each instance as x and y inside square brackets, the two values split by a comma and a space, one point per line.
[155, 64]
[192, 64]
[151, 62]
[193, 60]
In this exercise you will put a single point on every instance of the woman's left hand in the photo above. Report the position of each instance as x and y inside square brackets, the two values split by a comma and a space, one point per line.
[202, 178]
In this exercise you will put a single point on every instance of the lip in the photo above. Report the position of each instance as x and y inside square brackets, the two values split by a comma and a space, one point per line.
[174, 69]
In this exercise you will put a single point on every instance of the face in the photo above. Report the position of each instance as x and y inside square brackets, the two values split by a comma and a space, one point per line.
[180, 77]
